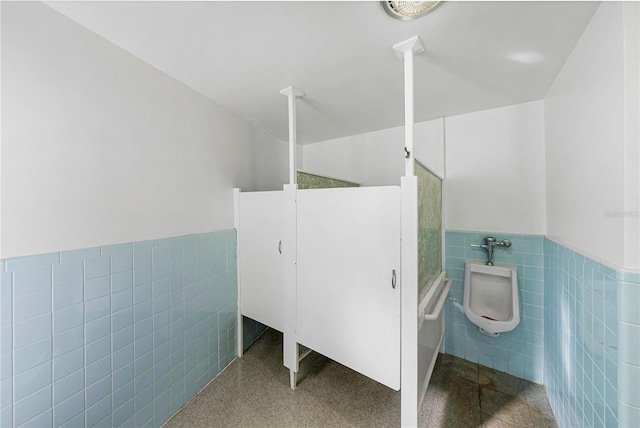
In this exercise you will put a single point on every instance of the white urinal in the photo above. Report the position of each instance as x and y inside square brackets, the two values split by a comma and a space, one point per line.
[490, 298]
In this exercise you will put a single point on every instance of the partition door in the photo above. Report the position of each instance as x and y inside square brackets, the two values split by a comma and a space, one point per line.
[348, 278]
[260, 233]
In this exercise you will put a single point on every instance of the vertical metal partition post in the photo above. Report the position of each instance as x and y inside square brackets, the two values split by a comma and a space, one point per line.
[409, 299]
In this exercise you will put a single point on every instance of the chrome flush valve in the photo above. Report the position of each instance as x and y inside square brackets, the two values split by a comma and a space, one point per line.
[489, 243]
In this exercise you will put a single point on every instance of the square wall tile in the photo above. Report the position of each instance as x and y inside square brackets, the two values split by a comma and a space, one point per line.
[68, 363]
[67, 318]
[96, 267]
[97, 329]
[32, 380]
[31, 305]
[121, 319]
[68, 386]
[68, 341]
[99, 411]
[97, 350]
[32, 405]
[96, 287]
[68, 295]
[66, 410]
[98, 390]
[31, 331]
[68, 272]
[122, 280]
[31, 280]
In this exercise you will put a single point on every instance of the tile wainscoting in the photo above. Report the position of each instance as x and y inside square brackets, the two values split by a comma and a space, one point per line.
[121, 335]
[628, 348]
[581, 338]
[592, 331]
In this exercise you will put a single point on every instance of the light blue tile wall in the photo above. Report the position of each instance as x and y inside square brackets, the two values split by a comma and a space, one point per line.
[120, 335]
[518, 352]
[628, 348]
[581, 338]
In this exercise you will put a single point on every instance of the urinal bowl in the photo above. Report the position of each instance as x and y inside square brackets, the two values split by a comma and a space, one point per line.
[490, 298]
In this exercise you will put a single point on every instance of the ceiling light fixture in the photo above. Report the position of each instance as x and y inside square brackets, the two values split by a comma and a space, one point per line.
[408, 10]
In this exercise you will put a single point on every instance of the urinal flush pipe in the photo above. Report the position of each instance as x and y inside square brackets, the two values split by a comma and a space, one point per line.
[489, 244]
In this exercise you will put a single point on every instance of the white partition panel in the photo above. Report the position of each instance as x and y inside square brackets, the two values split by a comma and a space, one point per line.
[410, 397]
[260, 234]
[290, 253]
[348, 278]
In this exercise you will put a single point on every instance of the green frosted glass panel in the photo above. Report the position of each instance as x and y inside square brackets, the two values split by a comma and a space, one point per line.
[429, 226]
[311, 181]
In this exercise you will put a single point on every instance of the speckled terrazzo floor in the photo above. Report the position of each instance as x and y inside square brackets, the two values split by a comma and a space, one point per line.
[254, 392]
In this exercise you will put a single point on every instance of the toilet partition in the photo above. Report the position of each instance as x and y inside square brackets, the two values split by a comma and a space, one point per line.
[349, 283]
[260, 226]
[348, 278]
[337, 270]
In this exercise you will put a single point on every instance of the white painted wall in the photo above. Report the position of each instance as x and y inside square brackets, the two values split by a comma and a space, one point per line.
[585, 142]
[371, 159]
[98, 147]
[631, 13]
[375, 158]
[429, 145]
[270, 161]
[495, 170]
[494, 165]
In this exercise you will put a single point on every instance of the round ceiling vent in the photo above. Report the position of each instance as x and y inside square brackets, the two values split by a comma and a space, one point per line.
[407, 10]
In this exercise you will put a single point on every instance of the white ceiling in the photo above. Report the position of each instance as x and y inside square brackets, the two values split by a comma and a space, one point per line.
[478, 55]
